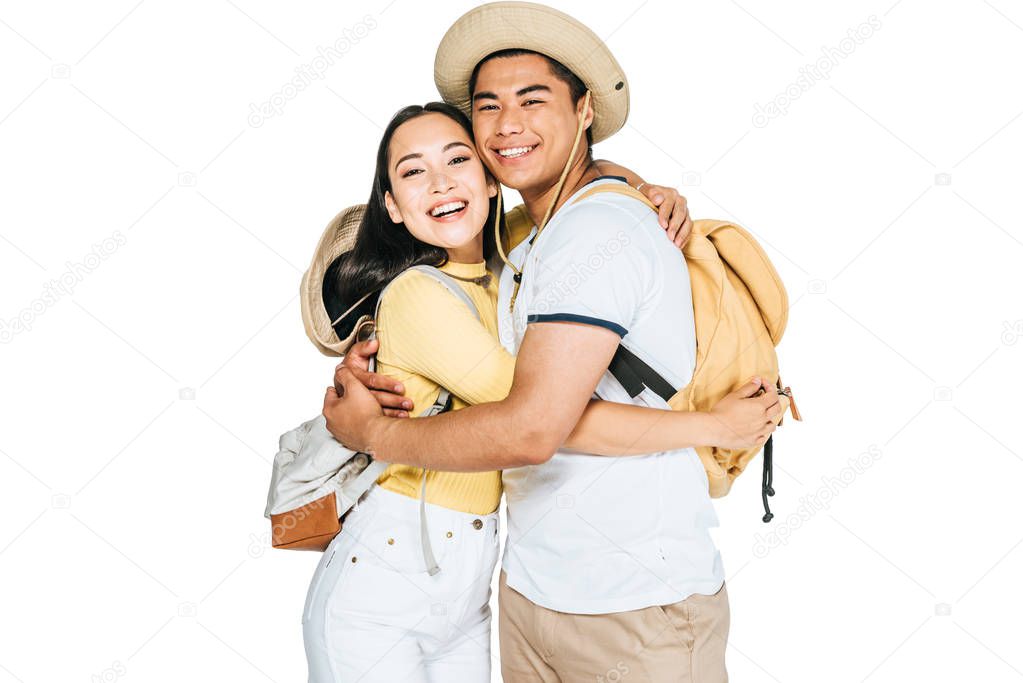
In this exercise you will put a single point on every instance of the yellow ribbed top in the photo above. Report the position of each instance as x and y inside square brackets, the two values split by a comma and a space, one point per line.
[429, 339]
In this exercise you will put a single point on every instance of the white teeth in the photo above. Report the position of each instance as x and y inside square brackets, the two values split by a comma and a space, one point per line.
[512, 152]
[447, 208]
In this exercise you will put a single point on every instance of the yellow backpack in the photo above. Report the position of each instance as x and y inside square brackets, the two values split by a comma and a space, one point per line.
[741, 309]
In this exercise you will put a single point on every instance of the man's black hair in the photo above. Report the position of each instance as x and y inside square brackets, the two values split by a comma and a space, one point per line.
[576, 88]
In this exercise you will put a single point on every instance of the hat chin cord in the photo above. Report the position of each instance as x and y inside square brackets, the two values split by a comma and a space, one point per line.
[352, 308]
[550, 209]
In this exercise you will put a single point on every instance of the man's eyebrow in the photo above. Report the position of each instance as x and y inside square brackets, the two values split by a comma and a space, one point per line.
[417, 155]
[487, 95]
[531, 88]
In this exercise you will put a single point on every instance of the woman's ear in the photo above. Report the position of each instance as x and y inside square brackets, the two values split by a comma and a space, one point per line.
[392, 208]
[491, 186]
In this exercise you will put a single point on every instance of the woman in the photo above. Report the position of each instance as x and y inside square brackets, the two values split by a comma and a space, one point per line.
[373, 611]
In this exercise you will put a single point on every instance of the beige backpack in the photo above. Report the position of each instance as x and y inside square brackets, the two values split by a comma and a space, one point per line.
[741, 309]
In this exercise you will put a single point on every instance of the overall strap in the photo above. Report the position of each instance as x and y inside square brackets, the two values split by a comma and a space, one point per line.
[436, 274]
[450, 283]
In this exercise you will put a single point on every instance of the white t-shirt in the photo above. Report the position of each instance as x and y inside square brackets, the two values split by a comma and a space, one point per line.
[591, 534]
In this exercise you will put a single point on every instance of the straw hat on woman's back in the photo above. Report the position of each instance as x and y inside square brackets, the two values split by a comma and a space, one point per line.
[320, 306]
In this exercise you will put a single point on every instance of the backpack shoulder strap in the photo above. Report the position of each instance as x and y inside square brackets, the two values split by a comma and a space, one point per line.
[631, 371]
[634, 373]
[441, 405]
[449, 283]
[441, 277]
[617, 188]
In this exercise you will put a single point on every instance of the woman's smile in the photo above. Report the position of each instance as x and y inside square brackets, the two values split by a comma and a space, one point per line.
[448, 211]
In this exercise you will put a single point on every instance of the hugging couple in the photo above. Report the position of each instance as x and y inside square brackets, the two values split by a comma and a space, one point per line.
[609, 571]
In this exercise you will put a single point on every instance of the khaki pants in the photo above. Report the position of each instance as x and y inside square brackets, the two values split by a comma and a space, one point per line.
[683, 642]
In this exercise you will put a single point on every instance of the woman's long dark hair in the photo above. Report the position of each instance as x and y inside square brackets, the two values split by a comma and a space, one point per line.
[383, 249]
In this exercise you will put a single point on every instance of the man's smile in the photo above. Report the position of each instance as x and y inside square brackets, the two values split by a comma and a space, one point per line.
[514, 153]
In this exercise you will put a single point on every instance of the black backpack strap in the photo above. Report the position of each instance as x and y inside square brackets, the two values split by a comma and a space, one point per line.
[633, 373]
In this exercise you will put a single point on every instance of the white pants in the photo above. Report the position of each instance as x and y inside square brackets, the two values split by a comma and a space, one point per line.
[373, 613]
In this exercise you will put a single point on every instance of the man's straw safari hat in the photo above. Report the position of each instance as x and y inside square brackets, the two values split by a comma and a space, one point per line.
[528, 26]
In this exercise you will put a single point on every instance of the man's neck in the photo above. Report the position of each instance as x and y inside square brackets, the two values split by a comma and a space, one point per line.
[539, 198]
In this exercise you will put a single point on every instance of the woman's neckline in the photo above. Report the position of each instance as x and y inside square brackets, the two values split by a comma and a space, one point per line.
[465, 269]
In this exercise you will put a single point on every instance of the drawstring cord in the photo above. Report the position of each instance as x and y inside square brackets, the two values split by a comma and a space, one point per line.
[517, 277]
[767, 481]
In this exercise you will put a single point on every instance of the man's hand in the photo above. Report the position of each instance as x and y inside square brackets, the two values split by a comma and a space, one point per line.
[352, 412]
[673, 212]
[744, 419]
[388, 392]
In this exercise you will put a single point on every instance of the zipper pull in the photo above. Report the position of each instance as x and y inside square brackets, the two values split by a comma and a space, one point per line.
[787, 391]
[792, 405]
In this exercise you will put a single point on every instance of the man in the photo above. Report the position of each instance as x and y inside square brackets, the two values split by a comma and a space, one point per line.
[609, 567]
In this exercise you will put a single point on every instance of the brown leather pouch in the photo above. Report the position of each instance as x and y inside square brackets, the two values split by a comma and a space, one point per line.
[310, 527]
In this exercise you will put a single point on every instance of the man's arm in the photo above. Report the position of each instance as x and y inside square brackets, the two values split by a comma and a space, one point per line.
[739, 420]
[556, 372]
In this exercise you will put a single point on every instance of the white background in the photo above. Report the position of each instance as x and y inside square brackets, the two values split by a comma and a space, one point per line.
[132, 542]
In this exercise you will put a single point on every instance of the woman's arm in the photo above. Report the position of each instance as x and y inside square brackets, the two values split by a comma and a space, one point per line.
[739, 420]
[611, 168]
[431, 333]
[609, 428]
[426, 330]
[673, 210]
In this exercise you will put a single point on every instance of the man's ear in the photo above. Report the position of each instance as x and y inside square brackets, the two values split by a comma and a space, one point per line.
[588, 120]
[392, 208]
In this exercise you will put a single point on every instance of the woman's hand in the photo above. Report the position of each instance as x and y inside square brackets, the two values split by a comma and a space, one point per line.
[744, 419]
[388, 392]
[672, 212]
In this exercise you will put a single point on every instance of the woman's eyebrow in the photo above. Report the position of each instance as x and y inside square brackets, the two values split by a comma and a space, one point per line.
[417, 155]
[414, 155]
